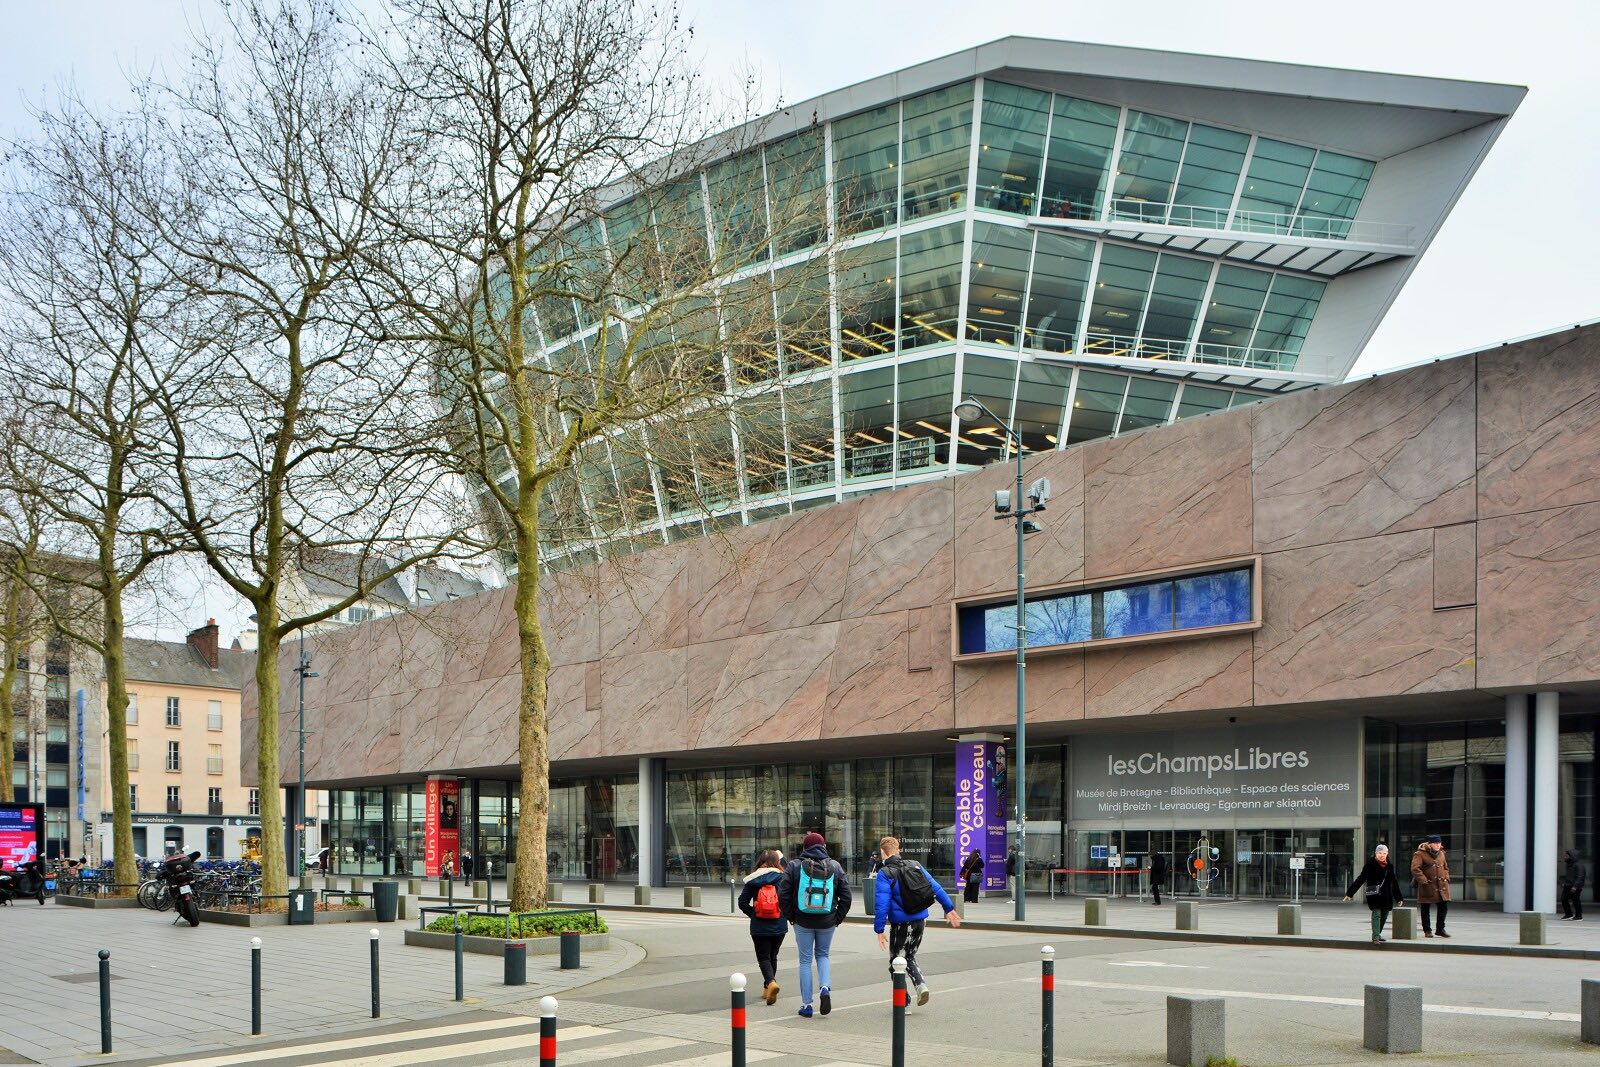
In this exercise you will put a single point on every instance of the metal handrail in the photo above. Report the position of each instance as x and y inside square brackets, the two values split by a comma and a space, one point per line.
[1324, 227]
[1123, 346]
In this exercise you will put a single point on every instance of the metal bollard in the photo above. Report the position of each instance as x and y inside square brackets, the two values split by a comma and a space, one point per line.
[461, 979]
[898, 1054]
[450, 891]
[571, 950]
[374, 942]
[1047, 983]
[105, 1002]
[731, 906]
[736, 984]
[547, 1032]
[255, 987]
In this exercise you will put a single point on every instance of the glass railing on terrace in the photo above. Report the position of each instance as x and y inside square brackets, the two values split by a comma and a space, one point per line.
[1120, 346]
[1264, 222]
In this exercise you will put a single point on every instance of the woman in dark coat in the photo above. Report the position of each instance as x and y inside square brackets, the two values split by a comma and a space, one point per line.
[972, 877]
[1383, 889]
[768, 930]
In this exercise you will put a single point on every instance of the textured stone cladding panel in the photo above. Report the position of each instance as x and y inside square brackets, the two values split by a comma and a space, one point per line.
[1539, 597]
[1539, 424]
[901, 555]
[574, 713]
[986, 549]
[1172, 495]
[986, 693]
[1372, 457]
[1194, 675]
[870, 689]
[644, 702]
[644, 602]
[1356, 619]
[758, 689]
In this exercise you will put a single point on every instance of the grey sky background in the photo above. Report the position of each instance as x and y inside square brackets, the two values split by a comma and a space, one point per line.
[1515, 257]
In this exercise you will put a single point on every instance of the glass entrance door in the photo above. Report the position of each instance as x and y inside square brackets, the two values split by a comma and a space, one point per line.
[1263, 867]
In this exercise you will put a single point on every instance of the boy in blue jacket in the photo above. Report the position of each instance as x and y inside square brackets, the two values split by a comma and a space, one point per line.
[904, 936]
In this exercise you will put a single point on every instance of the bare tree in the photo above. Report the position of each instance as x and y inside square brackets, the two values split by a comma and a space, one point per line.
[628, 313]
[22, 621]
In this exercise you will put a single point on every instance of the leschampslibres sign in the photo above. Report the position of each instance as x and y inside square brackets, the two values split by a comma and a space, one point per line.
[1238, 775]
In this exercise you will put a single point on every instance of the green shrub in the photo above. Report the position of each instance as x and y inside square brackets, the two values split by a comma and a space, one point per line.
[535, 924]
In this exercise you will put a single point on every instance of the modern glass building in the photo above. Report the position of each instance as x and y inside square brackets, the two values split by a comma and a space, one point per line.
[1091, 240]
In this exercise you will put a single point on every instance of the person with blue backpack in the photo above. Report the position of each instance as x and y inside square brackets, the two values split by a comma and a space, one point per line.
[816, 898]
[905, 893]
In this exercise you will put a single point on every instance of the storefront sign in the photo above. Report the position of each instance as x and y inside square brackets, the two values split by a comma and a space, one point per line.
[441, 827]
[21, 834]
[1239, 775]
[981, 773]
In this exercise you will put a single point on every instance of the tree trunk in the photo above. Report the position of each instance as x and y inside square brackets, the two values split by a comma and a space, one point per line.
[115, 657]
[531, 890]
[274, 876]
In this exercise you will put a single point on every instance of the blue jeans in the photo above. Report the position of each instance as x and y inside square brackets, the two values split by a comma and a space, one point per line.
[812, 943]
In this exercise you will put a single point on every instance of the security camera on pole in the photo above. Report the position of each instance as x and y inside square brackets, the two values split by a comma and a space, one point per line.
[1017, 507]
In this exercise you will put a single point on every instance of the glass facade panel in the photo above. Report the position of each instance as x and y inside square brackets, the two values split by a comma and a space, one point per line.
[993, 381]
[1272, 188]
[866, 411]
[1281, 330]
[739, 210]
[1212, 599]
[936, 136]
[1206, 184]
[1236, 302]
[1055, 300]
[1079, 163]
[1121, 287]
[1095, 406]
[797, 191]
[1041, 400]
[867, 301]
[1198, 400]
[926, 401]
[1000, 257]
[866, 158]
[1152, 146]
[1149, 403]
[802, 292]
[1333, 195]
[930, 286]
[1136, 609]
[1011, 147]
[1180, 285]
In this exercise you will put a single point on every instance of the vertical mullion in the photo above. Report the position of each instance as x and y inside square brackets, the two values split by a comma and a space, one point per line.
[1177, 398]
[1177, 175]
[965, 288]
[1127, 387]
[1027, 292]
[1238, 186]
[1066, 417]
[1144, 308]
[1044, 157]
[1261, 311]
[1113, 163]
[1088, 299]
[833, 310]
[1193, 350]
[1299, 201]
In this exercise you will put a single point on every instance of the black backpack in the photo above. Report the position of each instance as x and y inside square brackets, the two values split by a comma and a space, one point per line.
[916, 888]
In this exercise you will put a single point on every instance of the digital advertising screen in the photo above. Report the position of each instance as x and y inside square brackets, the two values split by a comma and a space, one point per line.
[21, 834]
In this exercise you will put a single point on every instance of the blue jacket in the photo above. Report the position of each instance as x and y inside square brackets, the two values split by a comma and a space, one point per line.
[888, 909]
[747, 902]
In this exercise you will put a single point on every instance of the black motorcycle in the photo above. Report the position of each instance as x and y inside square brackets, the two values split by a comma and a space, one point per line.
[25, 881]
[177, 873]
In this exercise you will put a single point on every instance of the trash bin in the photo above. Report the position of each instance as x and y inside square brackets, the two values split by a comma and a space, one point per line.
[516, 963]
[386, 899]
[302, 907]
[571, 950]
[869, 897]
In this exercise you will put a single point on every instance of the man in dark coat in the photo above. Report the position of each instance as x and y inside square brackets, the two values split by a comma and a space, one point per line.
[1573, 879]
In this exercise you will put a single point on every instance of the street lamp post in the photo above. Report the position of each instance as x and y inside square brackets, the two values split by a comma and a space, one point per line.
[304, 671]
[1016, 507]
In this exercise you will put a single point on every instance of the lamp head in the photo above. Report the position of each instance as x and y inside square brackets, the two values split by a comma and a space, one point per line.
[969, 410]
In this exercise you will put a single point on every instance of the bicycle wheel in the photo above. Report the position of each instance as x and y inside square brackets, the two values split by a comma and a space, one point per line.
[163, 897]
[147, 895]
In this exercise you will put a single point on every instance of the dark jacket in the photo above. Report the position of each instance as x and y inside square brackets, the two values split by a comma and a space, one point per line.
[791, 885]
[1576, 873]
[1159, 867]
[888, 909]
[973, 865]
[1011, 863]
[1382, 875]
[747, 902]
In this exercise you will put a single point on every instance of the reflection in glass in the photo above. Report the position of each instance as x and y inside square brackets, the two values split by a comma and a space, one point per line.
[1136, 609]
[999, 278]
[993, 381]
[926, 400]
[1095, 406]
[1011, 147]
[866, 300]
[1212, 599]
[1333, 194]
[1272, 188]
[1041, 398]
[1200, 399]
[1152, 145]
[1180, 285]
[866, 153]
[1055, 301]
[936, 135]
[797, 191]
[1081, 136]
[930, 286]
[1210, 175]
[866, 413]
[1149, 403]
[1121, 286]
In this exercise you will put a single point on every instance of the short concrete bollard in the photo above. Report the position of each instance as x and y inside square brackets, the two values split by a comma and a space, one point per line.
[407, 908]
[480, 889]
[1591, 1011]
[1188, 916]
[1094, 911]
[959, 900]
[1195, 1030]
[414, 887]
[1392, 1018]
[1530, 928]
[1404, 924]
[358, 885]
[1289, 920]
[597, 893]
[552, 891]
[691, 896]
[641, 894]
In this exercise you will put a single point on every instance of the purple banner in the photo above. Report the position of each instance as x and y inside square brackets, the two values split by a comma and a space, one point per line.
[981, 778]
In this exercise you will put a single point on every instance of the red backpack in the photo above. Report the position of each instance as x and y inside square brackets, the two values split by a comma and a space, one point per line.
[767, 902]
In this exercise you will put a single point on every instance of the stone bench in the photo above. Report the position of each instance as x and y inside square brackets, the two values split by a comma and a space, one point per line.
[1195, 1030]
[1392, 1018]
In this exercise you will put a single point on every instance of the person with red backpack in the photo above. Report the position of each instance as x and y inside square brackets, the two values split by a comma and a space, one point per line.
[768, 927]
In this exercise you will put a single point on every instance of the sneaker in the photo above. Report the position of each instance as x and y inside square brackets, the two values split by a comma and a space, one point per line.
[805, 1011]
[825, 1002]
[770, 993]
[922, 994]
[1378, 940]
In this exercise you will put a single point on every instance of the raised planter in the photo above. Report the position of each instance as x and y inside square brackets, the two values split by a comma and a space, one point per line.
[281, 918]
[95, 902]
[495, 946]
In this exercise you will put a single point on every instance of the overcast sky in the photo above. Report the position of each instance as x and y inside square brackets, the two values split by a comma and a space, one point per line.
[1509, 261]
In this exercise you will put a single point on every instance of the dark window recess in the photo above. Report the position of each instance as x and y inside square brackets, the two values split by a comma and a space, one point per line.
[1166, 605]
[55, 754]
[60, 670]
[55, 798]
[56, 707]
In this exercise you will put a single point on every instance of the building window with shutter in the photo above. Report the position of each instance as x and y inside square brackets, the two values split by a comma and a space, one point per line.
[174, 803]
[172, 712]
[214, 715]
[174, 763]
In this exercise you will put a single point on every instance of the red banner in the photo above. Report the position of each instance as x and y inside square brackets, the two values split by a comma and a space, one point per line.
[441, 827]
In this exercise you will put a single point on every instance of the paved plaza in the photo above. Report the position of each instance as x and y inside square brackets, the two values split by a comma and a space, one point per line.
[659, 997]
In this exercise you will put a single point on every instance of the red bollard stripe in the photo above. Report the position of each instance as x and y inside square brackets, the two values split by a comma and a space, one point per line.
[547, 1049]
[738, 1018]
[1049, 983]
[900, 998]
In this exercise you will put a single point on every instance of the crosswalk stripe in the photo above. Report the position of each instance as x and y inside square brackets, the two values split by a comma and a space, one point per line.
[258, 1055]
[596, 1053]
[525, 1042]
[720, 1059]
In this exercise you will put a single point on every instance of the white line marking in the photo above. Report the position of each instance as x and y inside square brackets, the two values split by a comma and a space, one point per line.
[720, 1059]
[258, 1055]
[1158, 963]
[1343, 1002]
[606, 1052]
[525, 1042]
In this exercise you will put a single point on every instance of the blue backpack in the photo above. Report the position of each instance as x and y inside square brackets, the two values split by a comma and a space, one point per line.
[814, 893]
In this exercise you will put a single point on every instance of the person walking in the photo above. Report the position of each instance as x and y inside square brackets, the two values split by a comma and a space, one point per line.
[905, 893]
[1383, 890]
[1430, 876]
[761, 900]
[1012, 863]
[1159, 868]
[1573, 879]
[971, 877]
[469, 866]
[816, 898]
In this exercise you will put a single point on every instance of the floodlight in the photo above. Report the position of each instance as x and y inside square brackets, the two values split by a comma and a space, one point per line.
[969, 410]
[1039, 492]
[1002, 501]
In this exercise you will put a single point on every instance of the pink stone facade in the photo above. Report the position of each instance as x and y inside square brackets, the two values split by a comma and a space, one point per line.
[1428, 539]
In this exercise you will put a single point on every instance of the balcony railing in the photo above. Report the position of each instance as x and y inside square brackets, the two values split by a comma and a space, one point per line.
[133, 761]
[214, 807]
[213, 765]
[174, 807]
[1124, 347]
[1322, 227]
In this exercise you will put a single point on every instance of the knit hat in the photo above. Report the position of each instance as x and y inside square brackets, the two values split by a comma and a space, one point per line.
[813, 838]
[1435, 839]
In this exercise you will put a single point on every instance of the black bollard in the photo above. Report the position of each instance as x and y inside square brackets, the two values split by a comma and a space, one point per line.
[897, 1056]
[461, 979]
[1047, 983]
[105, 1002]
[449, 889]
[736, 983]
[374, 943]
[255, 987]
[732, 905]
[547, 1032]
